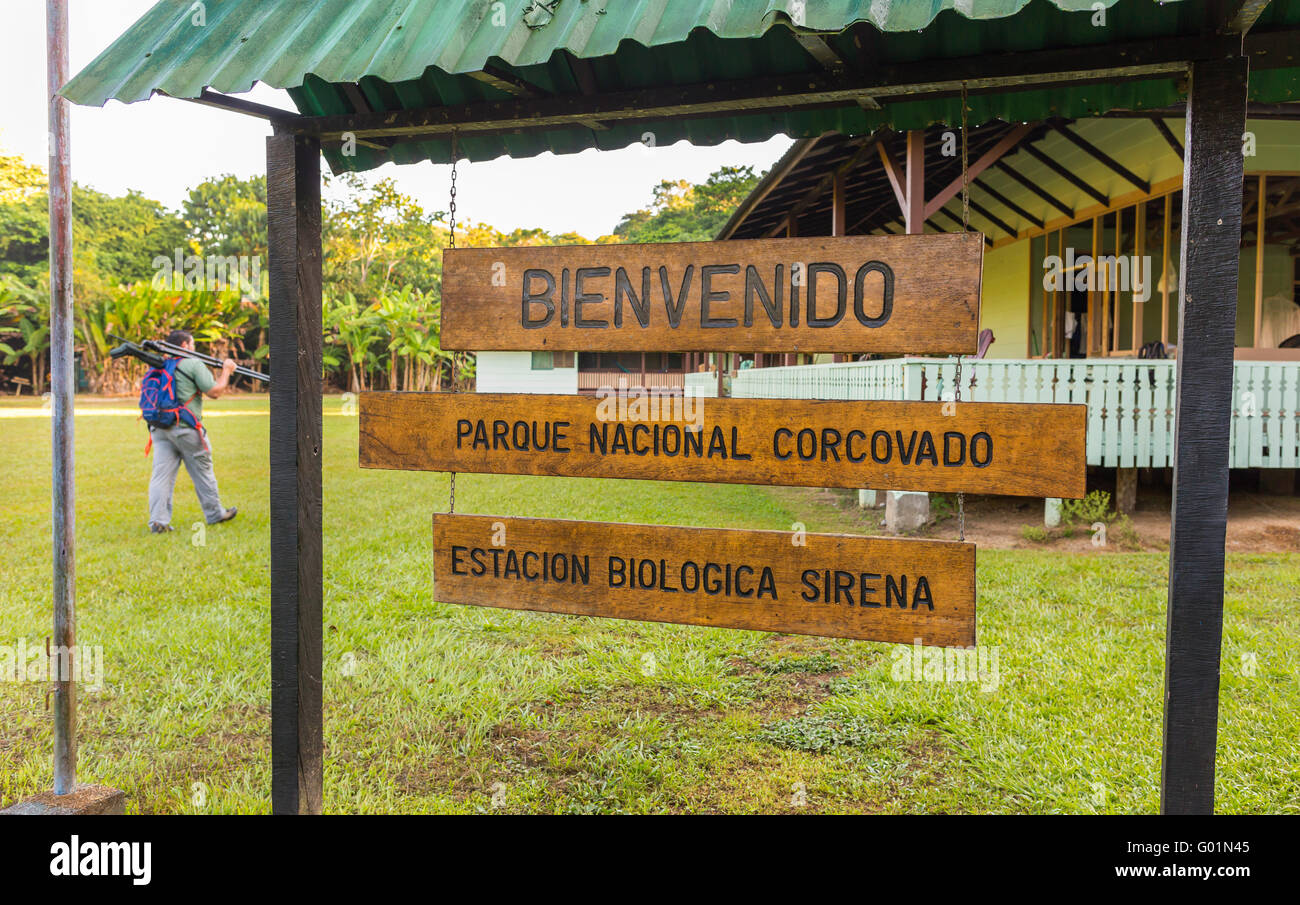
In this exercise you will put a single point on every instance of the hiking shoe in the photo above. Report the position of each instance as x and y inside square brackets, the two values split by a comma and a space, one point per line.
[160, 529]
[230, 513]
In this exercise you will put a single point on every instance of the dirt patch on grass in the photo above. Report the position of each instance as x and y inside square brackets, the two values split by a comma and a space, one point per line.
[1257, 522]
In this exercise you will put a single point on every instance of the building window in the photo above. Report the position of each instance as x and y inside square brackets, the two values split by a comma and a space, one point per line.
[549, 361]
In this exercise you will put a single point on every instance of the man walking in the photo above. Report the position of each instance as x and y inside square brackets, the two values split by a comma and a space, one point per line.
[182, 442]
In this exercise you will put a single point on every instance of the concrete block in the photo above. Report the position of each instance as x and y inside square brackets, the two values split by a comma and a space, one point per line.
[1052, 512]
[84, 799]
[906, 510]
[867, 499]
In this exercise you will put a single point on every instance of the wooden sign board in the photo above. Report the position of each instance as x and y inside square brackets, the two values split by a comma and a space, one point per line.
[888, 294]
[979, 447]
[833, 585]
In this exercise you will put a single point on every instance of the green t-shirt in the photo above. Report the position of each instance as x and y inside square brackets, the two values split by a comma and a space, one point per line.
[193, 379]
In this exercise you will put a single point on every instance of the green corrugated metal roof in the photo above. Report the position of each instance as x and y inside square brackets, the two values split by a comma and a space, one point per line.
[409, 54]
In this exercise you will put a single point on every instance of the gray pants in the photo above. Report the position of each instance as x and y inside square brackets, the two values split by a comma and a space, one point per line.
[172, 446]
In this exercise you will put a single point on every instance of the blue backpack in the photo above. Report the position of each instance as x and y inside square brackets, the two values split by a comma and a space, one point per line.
[159, 406]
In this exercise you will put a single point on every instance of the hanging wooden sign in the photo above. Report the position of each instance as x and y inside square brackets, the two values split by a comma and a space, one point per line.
[980, 447]
[833, 585]
[887, 294]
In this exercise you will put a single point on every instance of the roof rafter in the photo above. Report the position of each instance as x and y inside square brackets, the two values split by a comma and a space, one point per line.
[1007, 202]
[1102, 157]
[1096, 194]
[1004, 145]
[1035, 188]
[1167, 134]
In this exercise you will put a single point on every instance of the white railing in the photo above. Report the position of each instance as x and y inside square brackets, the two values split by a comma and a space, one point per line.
[701, 383]
[594, 380]
[1130, 402]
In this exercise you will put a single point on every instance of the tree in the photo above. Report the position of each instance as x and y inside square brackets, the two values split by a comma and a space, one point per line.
[227, 216]
[682, 212]
[381, 238]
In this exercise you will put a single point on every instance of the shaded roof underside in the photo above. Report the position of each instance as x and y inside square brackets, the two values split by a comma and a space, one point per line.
[1003, 204]
[339, 57]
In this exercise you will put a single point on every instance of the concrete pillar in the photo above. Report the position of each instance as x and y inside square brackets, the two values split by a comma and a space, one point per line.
[1052, 512]
[868, 499]
[906, 510]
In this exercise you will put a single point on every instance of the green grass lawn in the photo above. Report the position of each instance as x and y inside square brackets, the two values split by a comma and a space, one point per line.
[439, 708]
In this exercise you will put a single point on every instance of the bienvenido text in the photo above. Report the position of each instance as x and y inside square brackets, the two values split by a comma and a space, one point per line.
[724, 295]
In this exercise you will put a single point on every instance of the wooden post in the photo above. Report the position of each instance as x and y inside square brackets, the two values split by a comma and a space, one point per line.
[293, 226]
[1212, 185]
[1139, 308]
[837, 226]
[1260, 217]
[1126, 485]
[915, 213]
[1165, 277]
[63, 389]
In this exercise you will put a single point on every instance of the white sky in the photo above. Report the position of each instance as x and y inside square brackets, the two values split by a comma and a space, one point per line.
[162, 147]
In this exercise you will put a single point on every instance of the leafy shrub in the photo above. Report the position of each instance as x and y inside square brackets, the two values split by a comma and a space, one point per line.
[1093, 508]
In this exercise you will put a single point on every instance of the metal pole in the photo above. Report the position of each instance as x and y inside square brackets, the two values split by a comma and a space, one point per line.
[62, 389]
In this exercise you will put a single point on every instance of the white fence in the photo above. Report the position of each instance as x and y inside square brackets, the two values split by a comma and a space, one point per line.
[1130, 402]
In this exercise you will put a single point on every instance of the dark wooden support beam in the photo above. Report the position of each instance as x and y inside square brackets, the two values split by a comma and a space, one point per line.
[910, 81]
[583, 75]
[1213, 173]
[1001, 148]
[1036, 188]
[1008, 203]
[894, 172]
[515, 86]
[1102, 157]
[209, 98]
[826, 56]
[914, 211]
[505, 82]
[1242, 14]
[1079, 183]
[821, 51]
[293, 211]
[1167, 134]
[357, 99]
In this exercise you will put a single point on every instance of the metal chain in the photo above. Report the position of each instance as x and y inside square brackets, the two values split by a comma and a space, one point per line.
[965, 225]
[455, 359]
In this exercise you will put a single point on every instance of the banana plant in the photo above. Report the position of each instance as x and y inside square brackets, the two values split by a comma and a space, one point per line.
[24, 328]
